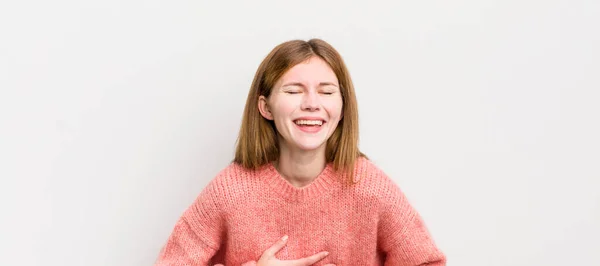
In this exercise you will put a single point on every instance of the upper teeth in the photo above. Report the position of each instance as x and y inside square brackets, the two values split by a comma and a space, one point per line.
[309, 122]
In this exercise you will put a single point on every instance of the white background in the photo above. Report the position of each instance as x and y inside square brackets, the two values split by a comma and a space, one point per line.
[115, 114]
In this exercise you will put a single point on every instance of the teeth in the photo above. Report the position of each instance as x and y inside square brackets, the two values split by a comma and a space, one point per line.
[309, 122]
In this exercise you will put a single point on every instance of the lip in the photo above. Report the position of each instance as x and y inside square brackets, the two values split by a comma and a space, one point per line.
[309, 129]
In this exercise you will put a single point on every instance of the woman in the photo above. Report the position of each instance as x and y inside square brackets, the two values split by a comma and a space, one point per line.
[299, 191]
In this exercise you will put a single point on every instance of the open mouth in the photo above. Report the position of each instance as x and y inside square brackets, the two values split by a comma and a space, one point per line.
[309, 123]
[309, 126]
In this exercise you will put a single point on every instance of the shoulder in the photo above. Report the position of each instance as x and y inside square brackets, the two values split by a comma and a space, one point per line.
[232, 183]
[232, 175]
[368, 174]
[371, 181]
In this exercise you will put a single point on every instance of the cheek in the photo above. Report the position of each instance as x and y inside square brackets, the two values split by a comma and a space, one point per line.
[283, 107]
[281, 115]
[333, 108]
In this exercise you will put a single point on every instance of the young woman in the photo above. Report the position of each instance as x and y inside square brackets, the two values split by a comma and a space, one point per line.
[299, 191]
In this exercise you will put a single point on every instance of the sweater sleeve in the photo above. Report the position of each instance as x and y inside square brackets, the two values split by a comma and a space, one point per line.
[198, 233]
[403, 236]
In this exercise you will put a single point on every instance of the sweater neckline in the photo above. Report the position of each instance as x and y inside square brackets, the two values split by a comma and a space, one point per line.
[320, 186]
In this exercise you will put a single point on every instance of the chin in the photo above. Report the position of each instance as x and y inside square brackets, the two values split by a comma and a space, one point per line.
[310, 146]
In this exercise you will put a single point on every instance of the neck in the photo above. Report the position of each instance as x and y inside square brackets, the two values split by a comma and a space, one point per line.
[298, 167]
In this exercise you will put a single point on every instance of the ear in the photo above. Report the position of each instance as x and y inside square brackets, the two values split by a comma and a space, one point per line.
[263, 108]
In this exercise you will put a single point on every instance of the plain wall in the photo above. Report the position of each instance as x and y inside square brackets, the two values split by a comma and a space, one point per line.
[115, 114]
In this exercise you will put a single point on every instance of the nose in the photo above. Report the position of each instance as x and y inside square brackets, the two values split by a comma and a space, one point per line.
[311, 101]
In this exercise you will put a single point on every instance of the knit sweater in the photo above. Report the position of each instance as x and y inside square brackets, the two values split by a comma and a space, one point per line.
[242, 212]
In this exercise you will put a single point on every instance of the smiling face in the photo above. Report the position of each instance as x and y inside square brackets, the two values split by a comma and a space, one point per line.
[305, 104]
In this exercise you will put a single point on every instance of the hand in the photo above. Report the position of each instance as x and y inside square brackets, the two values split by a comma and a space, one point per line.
[268, 257]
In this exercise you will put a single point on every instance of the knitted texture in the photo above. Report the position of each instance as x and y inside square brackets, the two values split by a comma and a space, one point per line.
[242, 212]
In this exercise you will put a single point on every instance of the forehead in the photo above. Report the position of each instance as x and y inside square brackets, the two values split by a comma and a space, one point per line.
[312, 71]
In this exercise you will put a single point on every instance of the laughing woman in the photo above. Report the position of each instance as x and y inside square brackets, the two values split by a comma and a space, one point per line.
[299, 191]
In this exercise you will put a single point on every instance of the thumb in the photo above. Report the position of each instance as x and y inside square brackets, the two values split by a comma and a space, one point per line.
[250, 263]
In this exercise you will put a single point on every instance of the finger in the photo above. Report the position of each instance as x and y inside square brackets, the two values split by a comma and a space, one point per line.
[270, 252]
[329, 264]
[311, 260]
[219, 265]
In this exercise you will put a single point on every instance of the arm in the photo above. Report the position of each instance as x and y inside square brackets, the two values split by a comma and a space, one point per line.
[184, 247]
[197, 234]
[404, 237]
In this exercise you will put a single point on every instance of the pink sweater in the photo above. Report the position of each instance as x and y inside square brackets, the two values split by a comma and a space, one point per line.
[243, 212]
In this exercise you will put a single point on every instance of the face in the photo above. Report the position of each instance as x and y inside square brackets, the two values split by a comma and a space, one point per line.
[305, 104]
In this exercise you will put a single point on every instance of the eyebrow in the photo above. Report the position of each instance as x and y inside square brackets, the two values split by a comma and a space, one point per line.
[302, 85]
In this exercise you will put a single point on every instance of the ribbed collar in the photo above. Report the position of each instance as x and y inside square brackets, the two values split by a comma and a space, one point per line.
[323, 184]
